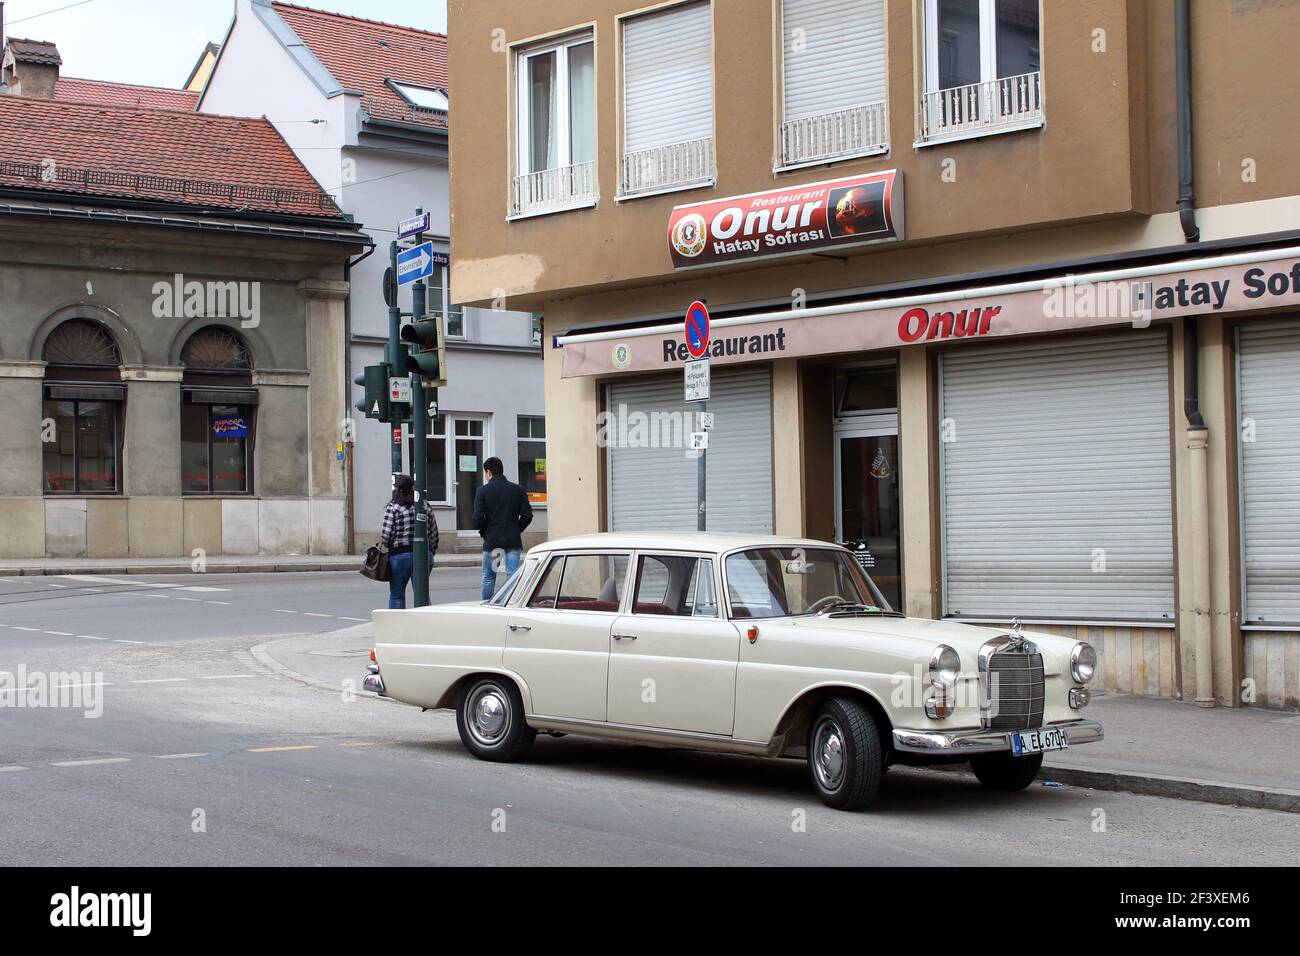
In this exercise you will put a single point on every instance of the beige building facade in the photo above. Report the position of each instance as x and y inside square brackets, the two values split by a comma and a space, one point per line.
[960, 319]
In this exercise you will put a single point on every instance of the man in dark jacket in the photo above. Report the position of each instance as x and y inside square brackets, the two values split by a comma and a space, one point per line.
[501, 513]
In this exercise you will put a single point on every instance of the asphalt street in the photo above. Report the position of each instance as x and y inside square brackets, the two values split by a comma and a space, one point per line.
[205, 755]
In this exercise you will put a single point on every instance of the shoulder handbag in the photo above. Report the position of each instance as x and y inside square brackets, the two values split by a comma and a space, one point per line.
[375, 566]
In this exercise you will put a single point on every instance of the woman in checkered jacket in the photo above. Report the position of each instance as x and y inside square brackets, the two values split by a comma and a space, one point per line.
[398, 533]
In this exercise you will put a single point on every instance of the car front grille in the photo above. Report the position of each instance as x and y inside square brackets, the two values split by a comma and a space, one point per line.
[1013, 688]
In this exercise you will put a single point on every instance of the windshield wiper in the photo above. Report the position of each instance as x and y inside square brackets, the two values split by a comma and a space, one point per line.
[861, 608]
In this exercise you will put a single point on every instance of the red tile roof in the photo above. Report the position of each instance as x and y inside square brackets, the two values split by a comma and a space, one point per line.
[104, 93]
[34, 51]
[154, 155]
[363, 54]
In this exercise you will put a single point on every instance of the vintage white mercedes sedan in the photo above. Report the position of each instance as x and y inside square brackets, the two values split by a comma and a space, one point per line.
[778, 647]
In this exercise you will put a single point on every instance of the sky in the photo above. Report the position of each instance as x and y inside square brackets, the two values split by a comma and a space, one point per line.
[157, 42]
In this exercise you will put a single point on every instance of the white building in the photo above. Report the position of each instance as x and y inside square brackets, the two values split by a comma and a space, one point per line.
[364, 105]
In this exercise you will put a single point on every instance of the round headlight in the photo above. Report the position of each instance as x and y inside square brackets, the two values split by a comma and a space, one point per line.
[1083, 663]
[945, 666]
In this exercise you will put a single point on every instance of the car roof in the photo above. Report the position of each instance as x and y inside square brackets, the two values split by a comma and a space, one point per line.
[713, 542]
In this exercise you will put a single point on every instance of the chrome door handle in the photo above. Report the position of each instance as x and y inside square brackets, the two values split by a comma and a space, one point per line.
[520, 627]
[625, 637]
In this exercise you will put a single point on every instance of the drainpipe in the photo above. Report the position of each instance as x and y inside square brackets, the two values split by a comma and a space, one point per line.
[1198, 435]
[349, 446]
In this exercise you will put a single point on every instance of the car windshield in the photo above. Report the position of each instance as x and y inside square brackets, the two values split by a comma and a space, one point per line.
[786, 582]
[502, 597]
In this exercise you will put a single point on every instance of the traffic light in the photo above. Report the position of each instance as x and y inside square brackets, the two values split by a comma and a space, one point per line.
[428, 354]
[375, 381]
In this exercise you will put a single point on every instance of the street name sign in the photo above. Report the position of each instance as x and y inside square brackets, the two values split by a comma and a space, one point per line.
[413, 226]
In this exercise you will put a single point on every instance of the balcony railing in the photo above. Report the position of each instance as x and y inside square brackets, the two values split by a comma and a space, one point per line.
[550, 190]
[668, 167]
[828, 136]
[390, 108]
[1014, 102]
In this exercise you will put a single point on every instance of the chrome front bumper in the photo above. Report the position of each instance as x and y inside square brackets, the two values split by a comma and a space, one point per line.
[958, 742]
[372, 679]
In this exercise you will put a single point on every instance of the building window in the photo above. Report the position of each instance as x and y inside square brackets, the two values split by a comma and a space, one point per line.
[435, 460]
[82, 411]
[536, 329]
[440, 300]
[218, 407]
[832, 81]
[532, 457]
[982, 70]
[556, 115]
[667, 101]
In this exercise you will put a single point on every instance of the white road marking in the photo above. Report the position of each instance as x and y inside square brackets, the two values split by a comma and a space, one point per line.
[10, 769]
[8, 580]
[315, 614]
[217, 602]
[54, 687]
[177, 756]
[87, 763]
[64, 586]
[363, 620]
[19, 627]
[225, 676]
[179, 598]
[160, 680]
[280, 610]
[59, 633]
[100, 579]
[89, 638]
[120, 640]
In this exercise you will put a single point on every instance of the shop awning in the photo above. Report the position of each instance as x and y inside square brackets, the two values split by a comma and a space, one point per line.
[1135, 296]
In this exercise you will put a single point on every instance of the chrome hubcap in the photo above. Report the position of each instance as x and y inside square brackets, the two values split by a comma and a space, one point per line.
[828, 754]
[489, 714]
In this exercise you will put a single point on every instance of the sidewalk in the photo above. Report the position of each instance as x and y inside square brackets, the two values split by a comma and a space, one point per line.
[1165, 748]
[223, 564]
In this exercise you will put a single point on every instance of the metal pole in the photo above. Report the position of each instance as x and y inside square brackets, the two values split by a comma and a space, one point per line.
[701, 520]
[391, 355]
[420, 431]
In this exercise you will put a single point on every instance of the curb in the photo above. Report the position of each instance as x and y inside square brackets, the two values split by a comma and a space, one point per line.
[444, 561]
[1179, 788]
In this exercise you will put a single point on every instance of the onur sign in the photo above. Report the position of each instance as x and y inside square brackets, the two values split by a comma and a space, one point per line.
[838, 213]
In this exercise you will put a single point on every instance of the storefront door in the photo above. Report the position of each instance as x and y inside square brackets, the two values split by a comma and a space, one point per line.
[866, 500]
[470, 436]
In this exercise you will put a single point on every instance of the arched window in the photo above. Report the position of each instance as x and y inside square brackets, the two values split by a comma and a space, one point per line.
[82, 427]
[218, 406]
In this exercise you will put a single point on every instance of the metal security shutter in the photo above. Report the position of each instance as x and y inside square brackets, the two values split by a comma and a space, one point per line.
[653, 488]
[1057, 460]
[1268, 370]
[667, 77]
[834, 55]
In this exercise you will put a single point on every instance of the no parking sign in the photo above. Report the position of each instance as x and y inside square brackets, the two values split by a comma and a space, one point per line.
[697, 329]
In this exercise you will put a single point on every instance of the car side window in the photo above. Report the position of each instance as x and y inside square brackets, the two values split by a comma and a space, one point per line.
[549, 585]
[675, 586]
[592, 582]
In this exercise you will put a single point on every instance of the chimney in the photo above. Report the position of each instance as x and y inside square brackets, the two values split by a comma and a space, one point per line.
[30, 68]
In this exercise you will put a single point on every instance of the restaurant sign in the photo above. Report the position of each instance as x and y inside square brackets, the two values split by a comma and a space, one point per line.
[796, 220]
[1135, 297]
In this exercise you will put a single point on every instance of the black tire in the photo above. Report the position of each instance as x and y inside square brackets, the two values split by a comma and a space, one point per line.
[844, 756]
[1006, 771]
[490, 718]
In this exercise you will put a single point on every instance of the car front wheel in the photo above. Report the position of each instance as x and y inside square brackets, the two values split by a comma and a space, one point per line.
[844, 758]
[1005, 771]
[490, 719]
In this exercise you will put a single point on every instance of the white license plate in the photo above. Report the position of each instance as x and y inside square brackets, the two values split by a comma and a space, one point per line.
[1027, 742]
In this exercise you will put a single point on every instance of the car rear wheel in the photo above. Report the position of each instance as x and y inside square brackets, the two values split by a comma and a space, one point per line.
[1005, 771]
[490, 718]
[844, 757]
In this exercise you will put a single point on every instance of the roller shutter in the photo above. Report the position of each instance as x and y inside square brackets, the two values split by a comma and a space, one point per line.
[834, 55]
[1056, 494]
[653, 488]
[1269, 373]
[667, 77]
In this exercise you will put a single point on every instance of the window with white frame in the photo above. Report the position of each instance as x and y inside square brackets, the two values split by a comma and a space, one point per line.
[981, 69]
[532, 457]
[832, 81]
[440, 300]
[555, 166]
[667, 100]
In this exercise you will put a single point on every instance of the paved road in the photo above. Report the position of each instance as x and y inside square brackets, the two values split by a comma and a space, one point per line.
[195, 728]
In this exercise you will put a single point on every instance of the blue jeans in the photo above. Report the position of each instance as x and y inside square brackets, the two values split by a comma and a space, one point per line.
[402, 567]
[490, 573]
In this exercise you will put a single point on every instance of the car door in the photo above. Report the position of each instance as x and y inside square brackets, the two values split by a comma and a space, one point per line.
[558, 640]
[673, 657]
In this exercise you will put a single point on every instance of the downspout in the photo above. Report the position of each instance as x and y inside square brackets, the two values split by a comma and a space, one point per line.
[1198, 435]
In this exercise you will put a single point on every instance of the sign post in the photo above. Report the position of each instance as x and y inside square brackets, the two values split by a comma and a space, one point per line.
[696, 380]
[419, 417]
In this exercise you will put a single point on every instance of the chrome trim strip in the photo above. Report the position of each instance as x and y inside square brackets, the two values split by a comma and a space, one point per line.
[579, 725]
[983, 741]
